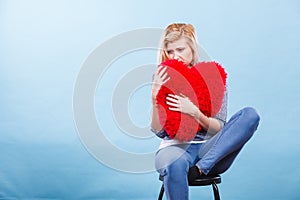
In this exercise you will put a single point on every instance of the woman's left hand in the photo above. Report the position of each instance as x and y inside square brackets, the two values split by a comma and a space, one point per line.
[181, 104]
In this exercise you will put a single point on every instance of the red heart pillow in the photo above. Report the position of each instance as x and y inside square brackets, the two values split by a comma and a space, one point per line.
[204, 84]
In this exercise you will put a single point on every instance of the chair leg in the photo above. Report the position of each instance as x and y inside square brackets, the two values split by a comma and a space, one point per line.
[161, 193]
[216, 191]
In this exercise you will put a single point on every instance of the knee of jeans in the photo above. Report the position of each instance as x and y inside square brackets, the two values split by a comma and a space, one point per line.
[252, 116]
[178, 167]
[162, 171]
[181, 165]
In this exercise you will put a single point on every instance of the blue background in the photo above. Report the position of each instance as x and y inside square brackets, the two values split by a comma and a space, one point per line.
[44, 43]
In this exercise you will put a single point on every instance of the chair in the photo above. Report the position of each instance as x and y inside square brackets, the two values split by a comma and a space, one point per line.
[195, 179]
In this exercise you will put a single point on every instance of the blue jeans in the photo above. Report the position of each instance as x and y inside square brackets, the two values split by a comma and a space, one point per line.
[213, 157]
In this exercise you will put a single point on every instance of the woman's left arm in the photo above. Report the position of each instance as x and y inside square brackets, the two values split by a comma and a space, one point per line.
[183, 104]
[210, 124]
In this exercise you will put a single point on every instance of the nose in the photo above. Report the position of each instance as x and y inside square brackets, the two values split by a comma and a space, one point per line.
[176, 56]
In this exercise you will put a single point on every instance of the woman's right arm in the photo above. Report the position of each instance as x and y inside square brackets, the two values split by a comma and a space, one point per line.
[160, 77]
[155, 124]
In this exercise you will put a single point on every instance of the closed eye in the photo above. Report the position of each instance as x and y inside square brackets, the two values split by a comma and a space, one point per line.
[180, 49]
[170, 51]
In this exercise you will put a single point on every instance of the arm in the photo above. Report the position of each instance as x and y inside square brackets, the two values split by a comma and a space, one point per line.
[155, 124]
[220, 118]
[182, 104]
[159, 78]
[211, 125]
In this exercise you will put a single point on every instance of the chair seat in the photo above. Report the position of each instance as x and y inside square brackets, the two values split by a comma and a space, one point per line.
[205, 180]
[202, 180]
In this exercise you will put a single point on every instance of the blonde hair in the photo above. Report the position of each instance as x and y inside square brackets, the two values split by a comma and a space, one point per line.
[174, 32]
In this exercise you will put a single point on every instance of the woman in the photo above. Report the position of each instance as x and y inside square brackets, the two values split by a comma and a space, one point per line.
[214, 148]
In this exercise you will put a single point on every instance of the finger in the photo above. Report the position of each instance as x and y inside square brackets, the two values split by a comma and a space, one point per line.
[162, 71]
[159, 68]
[174, 96]
[159, 73]
[182, 95]
[164, 76]
[174, 109]
[166, 80]
[172, 104]
[172, 100]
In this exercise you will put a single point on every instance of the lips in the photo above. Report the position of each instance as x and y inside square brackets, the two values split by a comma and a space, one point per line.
[204, 84]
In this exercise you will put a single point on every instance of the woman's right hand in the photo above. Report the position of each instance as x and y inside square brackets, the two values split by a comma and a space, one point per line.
[160, 77]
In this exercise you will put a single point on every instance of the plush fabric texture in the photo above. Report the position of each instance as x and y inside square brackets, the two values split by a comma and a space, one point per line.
[204, 84]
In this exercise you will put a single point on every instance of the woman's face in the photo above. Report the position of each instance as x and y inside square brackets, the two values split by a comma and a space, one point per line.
[180, 50]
